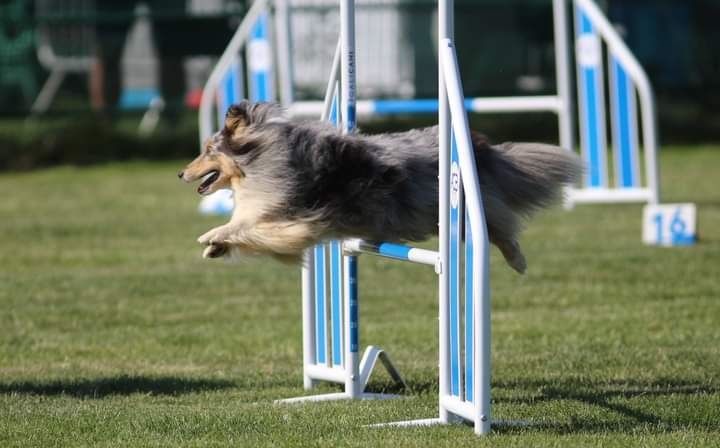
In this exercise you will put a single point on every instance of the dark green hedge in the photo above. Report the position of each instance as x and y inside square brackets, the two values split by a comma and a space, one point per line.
[85, 142]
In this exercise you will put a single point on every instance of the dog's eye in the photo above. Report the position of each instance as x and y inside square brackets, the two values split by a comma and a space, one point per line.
[244, 148]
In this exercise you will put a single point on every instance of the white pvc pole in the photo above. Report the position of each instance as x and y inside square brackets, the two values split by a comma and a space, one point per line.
[347, 105]
[562, 74]
[308, 317]
[307, 272]
[445, 31]
[353, 385]
[347, 64]
[331, 88]
[284, 52]
[481, 274]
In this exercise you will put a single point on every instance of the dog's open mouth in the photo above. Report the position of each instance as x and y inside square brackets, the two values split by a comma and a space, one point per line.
[207, 180]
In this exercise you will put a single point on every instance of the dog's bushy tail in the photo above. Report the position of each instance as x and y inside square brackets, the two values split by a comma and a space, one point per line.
[529, 176]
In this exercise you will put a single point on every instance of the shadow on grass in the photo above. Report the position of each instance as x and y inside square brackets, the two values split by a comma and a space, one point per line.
[606, 395]
[388, 386]
[117, 385]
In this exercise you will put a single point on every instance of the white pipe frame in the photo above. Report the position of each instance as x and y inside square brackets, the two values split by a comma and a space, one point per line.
[310, 373]
[450, 104]
[446, 30]
[563, 74]
[453, 115]
[284, 61]
[354, 373]
[347, 116]
[479, 411]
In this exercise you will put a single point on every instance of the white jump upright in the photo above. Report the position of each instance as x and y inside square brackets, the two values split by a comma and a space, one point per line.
[461, 263]
[330, 277]
[330, 272]
[472, 403]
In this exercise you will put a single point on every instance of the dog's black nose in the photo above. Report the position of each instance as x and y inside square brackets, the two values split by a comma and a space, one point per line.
[180, 174]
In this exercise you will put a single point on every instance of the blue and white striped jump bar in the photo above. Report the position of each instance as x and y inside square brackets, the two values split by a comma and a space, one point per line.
[391, 250]
[366, 108]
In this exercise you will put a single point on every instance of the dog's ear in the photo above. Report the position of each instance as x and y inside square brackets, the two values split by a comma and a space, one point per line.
[237, 116]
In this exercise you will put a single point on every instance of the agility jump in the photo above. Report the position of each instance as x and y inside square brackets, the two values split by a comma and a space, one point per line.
[229, 153]
[462, 267]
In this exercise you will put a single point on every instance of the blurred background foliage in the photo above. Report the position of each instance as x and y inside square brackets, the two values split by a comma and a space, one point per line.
[505, 48]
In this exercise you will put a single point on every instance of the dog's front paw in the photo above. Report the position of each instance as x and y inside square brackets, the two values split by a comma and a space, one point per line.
[216, 235]
[215, 251]
[207, 236]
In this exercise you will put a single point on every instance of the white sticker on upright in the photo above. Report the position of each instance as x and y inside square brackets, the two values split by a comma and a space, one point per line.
[454, 185]
[670, 224]
[589, 50]
[259, 55]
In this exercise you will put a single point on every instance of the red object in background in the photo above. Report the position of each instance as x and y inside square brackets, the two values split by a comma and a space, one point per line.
[192, 99]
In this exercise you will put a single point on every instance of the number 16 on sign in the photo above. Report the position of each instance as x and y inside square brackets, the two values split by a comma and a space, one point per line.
[669, 225]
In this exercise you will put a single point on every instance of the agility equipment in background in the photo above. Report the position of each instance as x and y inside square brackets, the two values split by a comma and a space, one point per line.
[634, 173]
[226, 86]
[670, 224]
[626, 78]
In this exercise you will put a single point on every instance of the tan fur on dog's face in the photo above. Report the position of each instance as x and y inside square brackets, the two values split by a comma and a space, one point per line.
[215, 163]
[212, 160]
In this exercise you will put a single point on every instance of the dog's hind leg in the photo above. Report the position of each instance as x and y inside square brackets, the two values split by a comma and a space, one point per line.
[513, 255]
[503, 227]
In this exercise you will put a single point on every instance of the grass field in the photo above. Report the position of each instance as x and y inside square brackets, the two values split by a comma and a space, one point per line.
[114, 332]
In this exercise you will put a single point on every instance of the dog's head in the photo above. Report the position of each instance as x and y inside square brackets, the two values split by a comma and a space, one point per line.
[226, 155]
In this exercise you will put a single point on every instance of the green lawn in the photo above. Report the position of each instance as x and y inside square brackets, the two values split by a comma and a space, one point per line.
[114, 332]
